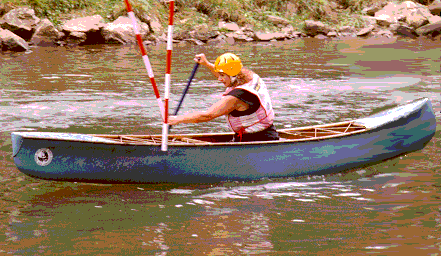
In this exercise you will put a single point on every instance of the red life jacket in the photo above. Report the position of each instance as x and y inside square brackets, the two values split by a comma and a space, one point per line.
[258, 121]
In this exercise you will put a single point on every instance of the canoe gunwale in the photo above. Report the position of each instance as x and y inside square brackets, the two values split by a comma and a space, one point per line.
[190, 140]
[362, 125]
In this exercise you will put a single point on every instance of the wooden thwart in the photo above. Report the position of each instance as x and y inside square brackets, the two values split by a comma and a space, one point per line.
[323, 131]
[151, 139]
[303, 133]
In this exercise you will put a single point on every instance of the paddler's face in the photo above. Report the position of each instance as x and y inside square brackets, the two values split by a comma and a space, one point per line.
[225, 79]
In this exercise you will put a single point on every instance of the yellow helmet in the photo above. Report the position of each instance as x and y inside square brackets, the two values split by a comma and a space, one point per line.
[229, 64]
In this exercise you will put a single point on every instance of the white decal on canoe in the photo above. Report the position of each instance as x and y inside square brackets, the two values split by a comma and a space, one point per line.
[43, 156]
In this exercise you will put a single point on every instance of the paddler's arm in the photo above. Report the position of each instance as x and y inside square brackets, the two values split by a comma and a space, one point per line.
[201, 59]
[220, 108]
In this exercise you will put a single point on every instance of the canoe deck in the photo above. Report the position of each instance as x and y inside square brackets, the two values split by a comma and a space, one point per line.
[294, 134]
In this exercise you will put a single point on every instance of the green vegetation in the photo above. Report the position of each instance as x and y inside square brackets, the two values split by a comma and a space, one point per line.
[54, 8]
[59, 10]
[194, 12]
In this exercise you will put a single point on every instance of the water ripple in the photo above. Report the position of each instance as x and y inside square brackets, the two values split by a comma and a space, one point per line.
[300, 191]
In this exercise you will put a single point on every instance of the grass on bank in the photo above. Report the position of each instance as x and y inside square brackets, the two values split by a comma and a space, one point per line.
[194, 12]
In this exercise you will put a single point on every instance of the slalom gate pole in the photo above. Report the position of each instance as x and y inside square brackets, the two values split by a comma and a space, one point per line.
[145, 57]
[168, 75]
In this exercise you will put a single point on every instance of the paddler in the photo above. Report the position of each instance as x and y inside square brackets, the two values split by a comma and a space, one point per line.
[246, 102]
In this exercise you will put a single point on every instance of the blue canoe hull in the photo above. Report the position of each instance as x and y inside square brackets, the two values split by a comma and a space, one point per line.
[408, 128]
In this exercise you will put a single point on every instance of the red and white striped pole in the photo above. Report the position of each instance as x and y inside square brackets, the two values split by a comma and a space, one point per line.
[168, 75]
[144, 56]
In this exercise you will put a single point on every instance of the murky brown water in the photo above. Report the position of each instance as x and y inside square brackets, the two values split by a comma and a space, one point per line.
[393, 208]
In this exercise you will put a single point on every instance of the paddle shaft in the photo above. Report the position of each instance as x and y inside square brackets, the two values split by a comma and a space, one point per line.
[195, 68]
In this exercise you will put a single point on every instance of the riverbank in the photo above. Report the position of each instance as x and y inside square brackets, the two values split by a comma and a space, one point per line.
[202, 22]
[391, 208]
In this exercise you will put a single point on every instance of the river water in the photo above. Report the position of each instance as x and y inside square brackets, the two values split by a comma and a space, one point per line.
[392, 208]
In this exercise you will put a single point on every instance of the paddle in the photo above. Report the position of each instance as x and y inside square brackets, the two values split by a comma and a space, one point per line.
[195, 68]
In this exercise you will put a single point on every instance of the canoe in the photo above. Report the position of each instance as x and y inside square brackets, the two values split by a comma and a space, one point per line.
[211, 158]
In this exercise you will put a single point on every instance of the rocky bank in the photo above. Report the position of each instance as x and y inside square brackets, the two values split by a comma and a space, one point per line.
[20, 28]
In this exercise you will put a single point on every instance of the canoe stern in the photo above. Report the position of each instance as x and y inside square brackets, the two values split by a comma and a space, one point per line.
[17, 140]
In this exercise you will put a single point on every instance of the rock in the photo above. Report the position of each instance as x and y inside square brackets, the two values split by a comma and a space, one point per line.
[20, 21]
[12, 42]
[314, 28]
[417, 15]
[388, 15]
[183, 44]
[248, 33]
[403, 30]
[430, 29]
[332, 34]
[150, 39]
[369, 20]
[84, 25]
[195, 41]
[347, 34]
[278, 20]
[232, 35]
[46, 34]
[141, 14]
[347, 29]
[240, 37]
[181, 34]
[365, 31]
[435, 7]
[86, 30]
[320, 36]
[230, 40]
[161, 38]
[298, 34]
[220, 39]
[371, 10]
[414, 14]
[384, 20]
[202, 32]
[385, 33]
[263, 36]
[231, 26]
[76, 38]
[250, 28]
[114, 36]
[288, 30]
[121, 31]
[416, 19]
[434, 19]
[155, 26]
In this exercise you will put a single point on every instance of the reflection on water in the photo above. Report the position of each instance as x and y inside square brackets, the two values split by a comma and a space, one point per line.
[388, 208]
[354, 212]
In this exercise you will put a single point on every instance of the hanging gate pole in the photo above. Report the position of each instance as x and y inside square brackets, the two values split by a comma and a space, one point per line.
[145, 57]
[168, 75]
